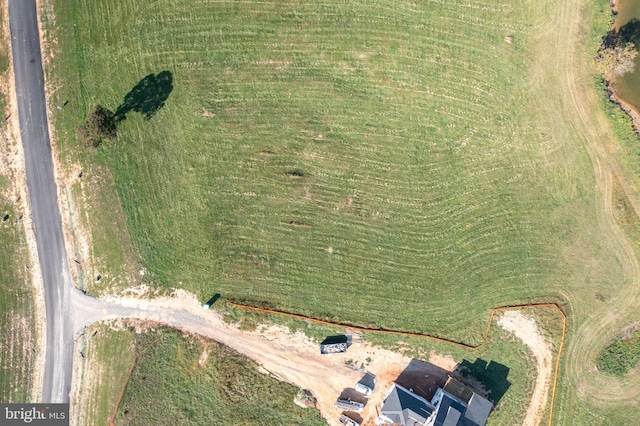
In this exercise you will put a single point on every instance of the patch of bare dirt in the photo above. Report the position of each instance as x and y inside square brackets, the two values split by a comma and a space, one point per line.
[525, 329]
[444, 361]
[17, 354]
[276, 64]
[78, 240]
[207, 113]
[347, 68]
[307, 193]
[204, 356]
[48, 44]
[628, 331]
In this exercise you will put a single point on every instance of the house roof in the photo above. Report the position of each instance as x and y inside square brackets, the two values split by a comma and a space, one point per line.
[478, 410]
[453, 412]
[450, 412]
[405, 408]
[458, 389]
[464, 408]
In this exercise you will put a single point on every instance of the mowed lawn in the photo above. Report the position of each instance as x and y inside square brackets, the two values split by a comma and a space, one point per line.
[17, 352]
[383, 163]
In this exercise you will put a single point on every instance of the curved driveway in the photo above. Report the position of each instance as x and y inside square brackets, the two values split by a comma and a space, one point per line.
[32, 111]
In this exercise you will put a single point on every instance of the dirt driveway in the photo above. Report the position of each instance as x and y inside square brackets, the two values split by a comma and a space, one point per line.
[526, 330]
[294, 358]
[290, 358]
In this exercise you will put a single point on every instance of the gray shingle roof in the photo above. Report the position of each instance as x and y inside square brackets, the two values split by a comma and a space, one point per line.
[405, 408]
[453, 412]
[447, 410]
[478, 410]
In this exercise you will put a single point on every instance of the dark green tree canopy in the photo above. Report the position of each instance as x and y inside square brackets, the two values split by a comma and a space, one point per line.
[100, 125]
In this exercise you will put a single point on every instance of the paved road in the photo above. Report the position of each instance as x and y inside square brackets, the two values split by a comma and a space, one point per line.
[27, 66]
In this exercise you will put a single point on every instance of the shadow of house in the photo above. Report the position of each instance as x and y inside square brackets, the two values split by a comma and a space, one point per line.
[423, 378]
[147, 97]
[492, 375]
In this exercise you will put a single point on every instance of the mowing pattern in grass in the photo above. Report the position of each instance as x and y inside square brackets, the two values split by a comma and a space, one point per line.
[376, 163]
[16, 313]
[183, 380]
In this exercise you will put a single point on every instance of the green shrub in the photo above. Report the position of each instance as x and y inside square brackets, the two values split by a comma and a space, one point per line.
[620, 356]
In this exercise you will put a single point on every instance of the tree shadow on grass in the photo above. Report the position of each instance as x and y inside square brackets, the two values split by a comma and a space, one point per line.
[147, 97]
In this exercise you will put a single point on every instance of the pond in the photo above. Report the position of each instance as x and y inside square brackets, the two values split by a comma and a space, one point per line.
[627, 87]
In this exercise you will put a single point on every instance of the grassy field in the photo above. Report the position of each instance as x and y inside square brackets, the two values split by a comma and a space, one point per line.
[17, 351]
[402, 165]
[185, 380]
[375, 164]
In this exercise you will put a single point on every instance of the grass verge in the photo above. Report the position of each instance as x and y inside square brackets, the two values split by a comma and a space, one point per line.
[107, 355]
[17, 351]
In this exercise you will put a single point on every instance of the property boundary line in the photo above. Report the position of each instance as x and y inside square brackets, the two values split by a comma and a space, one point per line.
[436, 338]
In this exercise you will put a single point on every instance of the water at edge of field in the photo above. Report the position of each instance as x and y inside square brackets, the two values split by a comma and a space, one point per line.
[627, 87]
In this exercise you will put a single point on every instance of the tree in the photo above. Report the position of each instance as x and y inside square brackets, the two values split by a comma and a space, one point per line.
[100, 125]
[617, 59]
